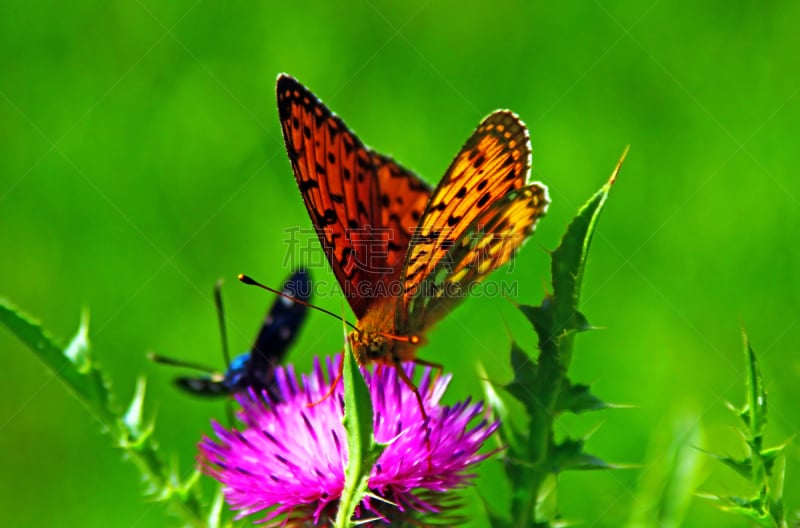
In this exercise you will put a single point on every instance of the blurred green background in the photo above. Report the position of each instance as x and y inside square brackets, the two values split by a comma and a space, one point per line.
[142, 159]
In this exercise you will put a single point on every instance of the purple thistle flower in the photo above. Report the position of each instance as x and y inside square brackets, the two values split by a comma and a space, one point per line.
[289, 459]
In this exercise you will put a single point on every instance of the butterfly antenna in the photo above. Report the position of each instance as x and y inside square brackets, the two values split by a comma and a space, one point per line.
[412, 339]
[164, 360]
[252, 282]
[221, 320]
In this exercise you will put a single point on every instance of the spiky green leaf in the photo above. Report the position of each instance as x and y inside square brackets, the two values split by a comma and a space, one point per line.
[541, 317]
[743, 467]
[73, 365]
[509, 436]
[569, 259]
[763, 467]
[524, 384]
[133, 418]
[78, 351]
[756, 395]
[578, 398]
[749, 509]
[570, 455]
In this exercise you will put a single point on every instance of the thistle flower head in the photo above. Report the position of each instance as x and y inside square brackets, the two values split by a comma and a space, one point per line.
[288, 461]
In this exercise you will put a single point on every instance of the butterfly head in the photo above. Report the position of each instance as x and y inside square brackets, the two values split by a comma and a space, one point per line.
[382, 347]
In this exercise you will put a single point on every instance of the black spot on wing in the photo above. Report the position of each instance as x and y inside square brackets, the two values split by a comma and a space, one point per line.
[329, 217]
[333, 130]
[307, 185]
[347, 141]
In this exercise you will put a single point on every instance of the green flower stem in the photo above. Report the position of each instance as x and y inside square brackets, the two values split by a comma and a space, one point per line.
[551, 377]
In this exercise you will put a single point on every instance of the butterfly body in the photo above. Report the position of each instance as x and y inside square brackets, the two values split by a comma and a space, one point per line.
[236, 378]
[239, 372]
[406, 254]
[255, 369]
[371, 343]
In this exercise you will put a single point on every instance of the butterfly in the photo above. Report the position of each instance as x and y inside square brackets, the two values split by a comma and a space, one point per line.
[255, 369]
[406, 254]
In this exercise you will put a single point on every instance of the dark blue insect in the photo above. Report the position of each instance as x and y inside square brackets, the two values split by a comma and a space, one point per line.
[256, 368]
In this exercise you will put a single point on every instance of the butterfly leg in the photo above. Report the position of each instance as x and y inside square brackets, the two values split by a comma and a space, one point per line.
[438, 367]
[336, 380]
[404, 377]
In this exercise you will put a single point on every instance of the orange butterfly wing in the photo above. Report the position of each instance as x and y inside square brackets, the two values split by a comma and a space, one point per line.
[475, 206]
[489, 242]
[363, 205]
[404, 196]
